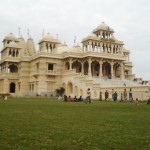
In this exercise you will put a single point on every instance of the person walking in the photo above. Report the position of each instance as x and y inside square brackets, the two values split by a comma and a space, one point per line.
[137, 101]
[130, 95]
[106, 95]
[89, 95]
[115, 96]
[125, 95]
[112, 94]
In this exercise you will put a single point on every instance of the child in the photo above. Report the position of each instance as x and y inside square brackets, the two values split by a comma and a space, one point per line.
[137, 102]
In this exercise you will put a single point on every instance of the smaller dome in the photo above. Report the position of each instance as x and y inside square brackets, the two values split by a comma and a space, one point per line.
[103, 26]
[114, 38]
[126, 50]
[10, 37]
[62, 49]
[48, 38]
[76, 49]
[92, 35]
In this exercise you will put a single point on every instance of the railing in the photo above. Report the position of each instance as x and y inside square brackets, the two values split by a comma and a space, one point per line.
[52, 72]
[9, 75]
[48, 72]
[129, 76]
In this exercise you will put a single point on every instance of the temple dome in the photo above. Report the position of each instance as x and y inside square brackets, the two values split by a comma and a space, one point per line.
[62, 49]
[48, 38]
[76, 49]
[65, 49]
[92, 35]
[114, 38]
[10, 37]
[103, 26]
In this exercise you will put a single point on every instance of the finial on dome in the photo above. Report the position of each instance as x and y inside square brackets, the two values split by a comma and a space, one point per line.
[28, 33]
[43, 32]
[19, 30]
[57, 36]
[75, 39]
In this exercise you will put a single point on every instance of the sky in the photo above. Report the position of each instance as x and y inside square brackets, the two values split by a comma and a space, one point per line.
[67, 19]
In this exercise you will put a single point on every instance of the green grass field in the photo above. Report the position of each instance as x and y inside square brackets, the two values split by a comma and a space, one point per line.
[46, 124]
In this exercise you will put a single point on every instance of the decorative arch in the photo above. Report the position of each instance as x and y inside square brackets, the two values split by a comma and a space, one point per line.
[117, 70]
[17, 53]
[13, 53]
[86, 65]
[81, 92]
[69, 88]
[13, 68]
[10, 53]
[12, 87]
[67, 66]
[106, 69]
[95, 94]
[76, 91]
[64, 86]
[77, 65]
[95, 68]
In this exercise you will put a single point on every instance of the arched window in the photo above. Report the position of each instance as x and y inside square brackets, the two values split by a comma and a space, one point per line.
[13, 68]
[12, 88]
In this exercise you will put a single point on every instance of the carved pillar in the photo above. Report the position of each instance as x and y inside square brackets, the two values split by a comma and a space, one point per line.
[112, 69]
[122, 70]
[82, 69]
[70, 64]
[111, 48]
[89, 69]
[121, 49]
[7, 52]
[100, 70]
[90, 45]
[15, 52]
[104, 49]
[97, 48]
[100, 34]
[101, 48]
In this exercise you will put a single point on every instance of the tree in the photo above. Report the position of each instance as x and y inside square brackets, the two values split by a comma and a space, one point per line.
[60, 91]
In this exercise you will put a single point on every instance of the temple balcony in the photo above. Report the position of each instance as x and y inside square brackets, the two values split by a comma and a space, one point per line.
[48, 73]
[9, 75]
[128, 63]
[52, 72]
[129, 76]
[10, 59]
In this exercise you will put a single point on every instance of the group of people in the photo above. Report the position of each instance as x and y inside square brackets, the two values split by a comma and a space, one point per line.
[70, 99]
[114, 95]
[75, 99]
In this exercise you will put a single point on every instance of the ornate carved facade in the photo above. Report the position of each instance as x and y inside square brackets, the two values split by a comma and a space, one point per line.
[102, 62]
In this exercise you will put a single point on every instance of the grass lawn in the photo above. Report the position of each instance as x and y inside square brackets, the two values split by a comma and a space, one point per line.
[48, 124]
